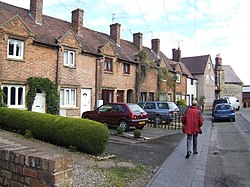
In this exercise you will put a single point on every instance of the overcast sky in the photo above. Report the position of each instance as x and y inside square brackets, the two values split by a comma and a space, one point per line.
[199, 27]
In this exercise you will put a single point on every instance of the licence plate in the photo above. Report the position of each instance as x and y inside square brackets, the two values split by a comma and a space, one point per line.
[141, 122]
[224, 115]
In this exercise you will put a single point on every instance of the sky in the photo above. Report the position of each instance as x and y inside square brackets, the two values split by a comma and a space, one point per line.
[198, 27]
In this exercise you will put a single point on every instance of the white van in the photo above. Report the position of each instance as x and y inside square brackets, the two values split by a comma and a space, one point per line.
[233, 101]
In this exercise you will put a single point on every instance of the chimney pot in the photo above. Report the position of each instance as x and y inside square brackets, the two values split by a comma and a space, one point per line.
[115, 33]
[36, 10]
[137, 40]
[156, 45]
[77, 20]
[176, 55]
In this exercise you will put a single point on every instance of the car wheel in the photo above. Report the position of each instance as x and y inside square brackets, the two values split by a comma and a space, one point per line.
[124, 125]
[233, 120]
[139, 127]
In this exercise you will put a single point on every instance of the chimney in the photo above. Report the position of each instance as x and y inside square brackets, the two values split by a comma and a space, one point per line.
[218, 61]
[176, 55]
[115, 32]
[77, 20]
[137, 40]
[155, 43]
[36, 10]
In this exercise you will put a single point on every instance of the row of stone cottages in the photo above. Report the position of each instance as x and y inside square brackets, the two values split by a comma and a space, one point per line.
[88, 67]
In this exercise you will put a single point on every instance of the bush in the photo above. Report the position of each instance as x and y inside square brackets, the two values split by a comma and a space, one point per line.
[137, 133]
[120, 130]
[86, 135]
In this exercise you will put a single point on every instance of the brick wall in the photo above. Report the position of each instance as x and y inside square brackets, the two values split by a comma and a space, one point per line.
[23, 166]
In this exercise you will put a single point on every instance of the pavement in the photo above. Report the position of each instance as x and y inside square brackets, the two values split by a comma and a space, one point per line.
[177, 171]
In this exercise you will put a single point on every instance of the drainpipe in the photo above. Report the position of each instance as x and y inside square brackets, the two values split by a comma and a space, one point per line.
[57, 66]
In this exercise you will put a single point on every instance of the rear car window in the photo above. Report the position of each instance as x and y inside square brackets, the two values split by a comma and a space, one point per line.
[223, 107]
[135, 108]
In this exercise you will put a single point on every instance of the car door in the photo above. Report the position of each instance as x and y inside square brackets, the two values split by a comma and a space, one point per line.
[103, 113]
[118, 113]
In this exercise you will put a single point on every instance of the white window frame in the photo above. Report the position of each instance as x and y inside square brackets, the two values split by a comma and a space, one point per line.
[17, 99]
[68, 61]
[67, 97]
[16, 43]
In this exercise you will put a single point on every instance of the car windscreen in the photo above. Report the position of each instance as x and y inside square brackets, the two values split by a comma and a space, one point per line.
[135, 108]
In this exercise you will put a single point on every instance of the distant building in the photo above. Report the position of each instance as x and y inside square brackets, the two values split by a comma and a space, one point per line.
[227, 83]
[246, 96]
[201, 68]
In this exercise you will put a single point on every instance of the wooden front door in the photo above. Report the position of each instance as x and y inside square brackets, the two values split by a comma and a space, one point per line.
[120, 96]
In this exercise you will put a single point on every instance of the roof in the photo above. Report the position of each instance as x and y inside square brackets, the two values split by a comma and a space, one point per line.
[52, 29]
[196, 64]
[230, 75]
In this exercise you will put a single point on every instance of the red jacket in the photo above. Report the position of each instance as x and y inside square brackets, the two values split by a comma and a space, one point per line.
[192, 120]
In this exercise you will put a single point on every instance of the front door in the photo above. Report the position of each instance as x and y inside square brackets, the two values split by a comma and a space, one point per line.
[120, 96]
[39, 102]
[85, 100]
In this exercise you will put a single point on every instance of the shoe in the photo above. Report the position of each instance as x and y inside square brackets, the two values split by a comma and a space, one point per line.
[195, 152]
[188, 154]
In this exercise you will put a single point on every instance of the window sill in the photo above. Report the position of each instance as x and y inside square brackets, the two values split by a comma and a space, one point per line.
[15, 59]
[108, 72]
[70, 67]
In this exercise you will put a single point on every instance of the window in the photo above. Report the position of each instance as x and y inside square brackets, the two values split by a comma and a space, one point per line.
[126, 69]
[107, 96]
[178, 78]
[14, 96]
[68, 97]
[209, 66]
[69, 58]
[108, 65]
[207, 79]
[192, 81]
[143, 96]
[15, 49]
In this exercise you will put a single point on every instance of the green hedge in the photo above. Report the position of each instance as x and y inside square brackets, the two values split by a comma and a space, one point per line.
[85, 135]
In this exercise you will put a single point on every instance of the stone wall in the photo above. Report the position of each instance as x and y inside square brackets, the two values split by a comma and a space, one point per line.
[24, 166]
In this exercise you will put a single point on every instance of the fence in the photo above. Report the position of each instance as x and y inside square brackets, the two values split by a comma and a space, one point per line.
[171, 121]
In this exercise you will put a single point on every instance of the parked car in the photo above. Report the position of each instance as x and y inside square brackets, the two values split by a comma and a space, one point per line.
[233, 101]
[224, 111]
[173, 108]
[119, 114]
[218, 101]
[159, 112]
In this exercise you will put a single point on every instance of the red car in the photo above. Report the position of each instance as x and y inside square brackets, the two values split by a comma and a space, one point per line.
[119, 114]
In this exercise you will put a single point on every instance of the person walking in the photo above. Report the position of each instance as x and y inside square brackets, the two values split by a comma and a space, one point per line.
[192, 121]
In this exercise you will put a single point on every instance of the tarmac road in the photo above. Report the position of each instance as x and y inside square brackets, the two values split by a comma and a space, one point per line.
[153, 151]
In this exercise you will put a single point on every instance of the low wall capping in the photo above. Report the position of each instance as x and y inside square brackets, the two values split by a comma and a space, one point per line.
[24, 166]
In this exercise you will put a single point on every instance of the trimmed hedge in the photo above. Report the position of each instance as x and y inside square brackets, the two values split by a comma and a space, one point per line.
[86, 135]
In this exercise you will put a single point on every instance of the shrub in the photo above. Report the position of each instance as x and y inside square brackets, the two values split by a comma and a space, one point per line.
[28, 134]
[137, 133]
[120, 130]
[86, 135]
